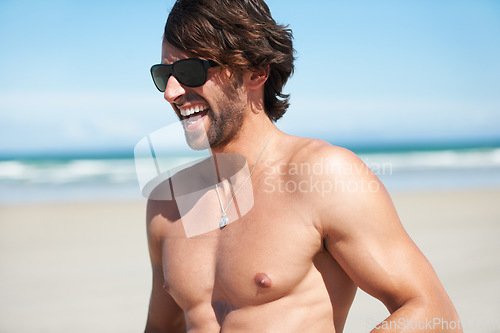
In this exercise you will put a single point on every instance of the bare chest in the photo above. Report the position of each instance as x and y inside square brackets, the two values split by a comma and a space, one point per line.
[259, 258]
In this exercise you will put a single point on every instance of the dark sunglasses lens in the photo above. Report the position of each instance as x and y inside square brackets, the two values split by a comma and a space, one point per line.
[160, 74]
[190, 73]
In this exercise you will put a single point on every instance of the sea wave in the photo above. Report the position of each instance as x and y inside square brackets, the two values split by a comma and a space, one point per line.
[67, 171]
[119, 171]
[437, 160]
[119, 177]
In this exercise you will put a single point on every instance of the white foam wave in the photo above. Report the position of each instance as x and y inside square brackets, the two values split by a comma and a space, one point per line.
[67, 172]
[123, 171]
[437, 160]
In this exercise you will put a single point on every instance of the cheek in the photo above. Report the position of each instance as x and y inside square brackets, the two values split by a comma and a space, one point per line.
[220, 93]
[214, 95]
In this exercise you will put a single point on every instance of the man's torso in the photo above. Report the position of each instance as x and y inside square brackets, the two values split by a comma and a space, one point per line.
[216, 277]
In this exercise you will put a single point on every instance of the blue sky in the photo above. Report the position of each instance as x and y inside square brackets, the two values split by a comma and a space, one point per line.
[75, 74]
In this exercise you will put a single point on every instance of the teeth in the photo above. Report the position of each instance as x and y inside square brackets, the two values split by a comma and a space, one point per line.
[190, 111]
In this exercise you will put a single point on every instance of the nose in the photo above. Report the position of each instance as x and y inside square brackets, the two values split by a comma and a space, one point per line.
[173, 90]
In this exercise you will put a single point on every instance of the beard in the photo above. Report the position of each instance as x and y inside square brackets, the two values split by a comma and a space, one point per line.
[224, 123]
[224, 126]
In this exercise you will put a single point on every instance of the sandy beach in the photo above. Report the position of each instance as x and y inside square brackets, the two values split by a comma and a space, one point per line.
[84, 267]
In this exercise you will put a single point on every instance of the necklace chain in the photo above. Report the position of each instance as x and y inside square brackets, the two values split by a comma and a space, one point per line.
[224, 219]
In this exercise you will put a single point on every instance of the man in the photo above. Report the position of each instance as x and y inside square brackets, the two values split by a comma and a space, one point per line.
[289, 254]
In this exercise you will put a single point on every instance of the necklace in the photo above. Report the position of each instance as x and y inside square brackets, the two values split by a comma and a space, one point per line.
[224, 219]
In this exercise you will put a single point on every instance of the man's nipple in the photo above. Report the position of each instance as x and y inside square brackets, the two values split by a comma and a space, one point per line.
[262, 280]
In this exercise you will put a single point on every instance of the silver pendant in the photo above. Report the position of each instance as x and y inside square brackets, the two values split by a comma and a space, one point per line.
[223, 221]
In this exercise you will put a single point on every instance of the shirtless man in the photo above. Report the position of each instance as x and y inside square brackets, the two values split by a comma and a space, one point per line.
[320, 223]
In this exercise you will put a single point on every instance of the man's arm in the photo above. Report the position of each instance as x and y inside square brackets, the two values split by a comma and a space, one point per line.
[363, 233]
[164, 313]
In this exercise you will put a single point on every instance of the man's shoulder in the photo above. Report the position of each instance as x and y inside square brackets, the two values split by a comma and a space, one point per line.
[160, 214]
[316, 152]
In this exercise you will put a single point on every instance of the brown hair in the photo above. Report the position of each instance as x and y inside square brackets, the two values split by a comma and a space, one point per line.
[239, 34]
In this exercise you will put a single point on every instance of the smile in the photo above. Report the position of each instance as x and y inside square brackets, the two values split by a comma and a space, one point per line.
[190, 111]
[193, 115]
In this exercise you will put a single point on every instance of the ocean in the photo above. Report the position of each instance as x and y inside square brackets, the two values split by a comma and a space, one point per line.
[84, 178]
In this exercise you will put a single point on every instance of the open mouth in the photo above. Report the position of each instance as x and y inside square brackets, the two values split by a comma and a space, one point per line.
[192, 117]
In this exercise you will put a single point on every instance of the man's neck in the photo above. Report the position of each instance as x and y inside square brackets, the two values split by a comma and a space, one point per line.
[250, 140]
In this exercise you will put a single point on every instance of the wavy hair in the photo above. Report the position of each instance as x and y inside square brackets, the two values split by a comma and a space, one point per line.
[240, 34]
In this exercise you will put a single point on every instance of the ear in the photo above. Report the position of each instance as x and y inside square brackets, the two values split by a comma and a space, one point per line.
[257, 77]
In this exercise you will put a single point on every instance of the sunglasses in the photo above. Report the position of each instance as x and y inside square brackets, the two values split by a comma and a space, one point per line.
[190, 72]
